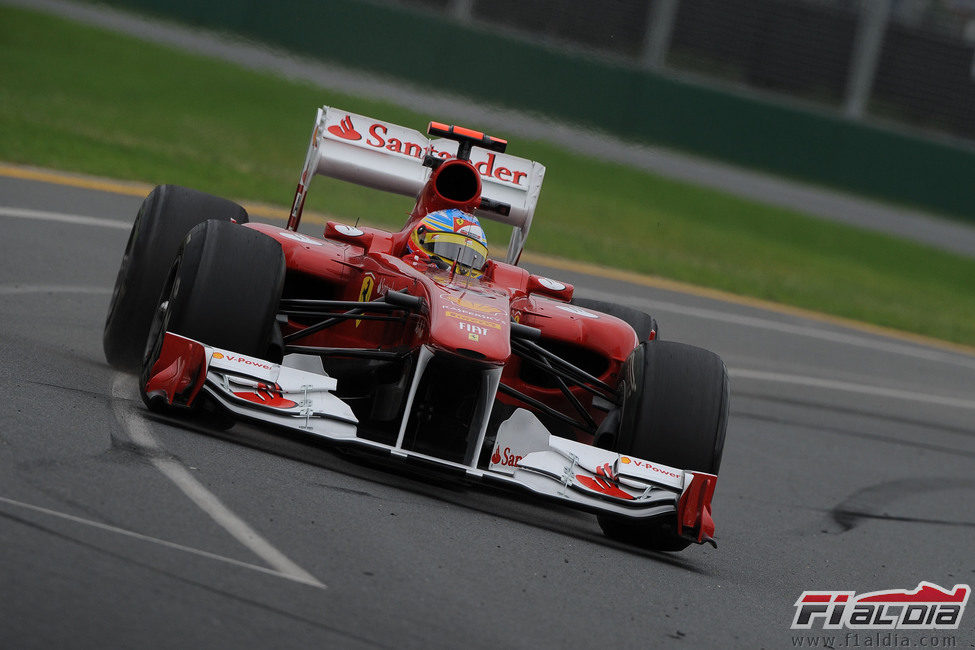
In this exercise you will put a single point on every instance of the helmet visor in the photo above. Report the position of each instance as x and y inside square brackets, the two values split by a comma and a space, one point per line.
[456, 248]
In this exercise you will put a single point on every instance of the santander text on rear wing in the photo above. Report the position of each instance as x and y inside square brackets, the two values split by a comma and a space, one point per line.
[389, 157]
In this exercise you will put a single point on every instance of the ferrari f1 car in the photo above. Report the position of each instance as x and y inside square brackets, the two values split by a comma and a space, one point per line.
[415, 344]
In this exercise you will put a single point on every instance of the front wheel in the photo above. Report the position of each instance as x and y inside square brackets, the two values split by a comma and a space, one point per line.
[223, 290]
[675, 412]
[166, 215]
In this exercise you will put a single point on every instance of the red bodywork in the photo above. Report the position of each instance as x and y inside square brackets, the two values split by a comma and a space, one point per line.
[469, 317]
[435, 363]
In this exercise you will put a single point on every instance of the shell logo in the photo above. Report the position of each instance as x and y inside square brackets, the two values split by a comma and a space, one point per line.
[217, 355]
[469, 304]
[625, 460]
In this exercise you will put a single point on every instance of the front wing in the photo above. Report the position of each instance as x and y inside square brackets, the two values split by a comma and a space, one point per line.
[525, 455]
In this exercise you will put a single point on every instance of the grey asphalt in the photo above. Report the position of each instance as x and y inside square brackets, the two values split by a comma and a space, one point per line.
[848, 466]
[950, 235]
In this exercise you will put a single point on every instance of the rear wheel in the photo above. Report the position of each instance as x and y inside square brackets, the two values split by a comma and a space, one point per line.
[223, 290]
[166, 215]
[642, 323]
[675, 412]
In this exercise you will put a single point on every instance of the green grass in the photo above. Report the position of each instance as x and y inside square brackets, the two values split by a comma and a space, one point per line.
[82, 99]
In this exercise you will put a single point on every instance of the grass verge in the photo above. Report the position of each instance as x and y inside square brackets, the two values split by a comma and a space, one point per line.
[87, 100]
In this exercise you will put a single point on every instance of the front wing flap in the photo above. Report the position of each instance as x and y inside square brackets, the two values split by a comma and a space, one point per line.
[249, 388]
[525, 454]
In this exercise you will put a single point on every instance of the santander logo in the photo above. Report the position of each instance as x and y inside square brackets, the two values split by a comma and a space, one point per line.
[504, 458]
[267, 395]
[379, 137]
[600, 484]
[345, 130]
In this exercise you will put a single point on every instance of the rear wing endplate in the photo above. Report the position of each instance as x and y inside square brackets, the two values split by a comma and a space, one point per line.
[389, 157]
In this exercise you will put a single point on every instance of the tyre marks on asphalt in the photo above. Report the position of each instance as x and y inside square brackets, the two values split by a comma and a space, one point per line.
[876, 501]
[137, 429]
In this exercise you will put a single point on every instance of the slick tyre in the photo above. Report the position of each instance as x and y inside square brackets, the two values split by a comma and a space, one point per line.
[675, 412]
[642, 323]
[223, 290]
[166, 215]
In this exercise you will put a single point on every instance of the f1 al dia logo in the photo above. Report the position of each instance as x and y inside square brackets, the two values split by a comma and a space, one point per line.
[929, 607]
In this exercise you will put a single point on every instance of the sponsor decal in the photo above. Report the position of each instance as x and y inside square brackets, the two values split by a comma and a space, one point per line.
[503, 174]
[244, 361]
[365, 291]
[345, 130]
[348, 231]
[602, 485]
[267, 395]
[927, 607]
[606, 470]
[379, 138]
[473, 320]
[642, 464]
[473, 337]
[298, 237]
[470, 304]
[504, 457]
[473, 231]
[578, 311]
[518, 437]
[553, 285]
[475, 330]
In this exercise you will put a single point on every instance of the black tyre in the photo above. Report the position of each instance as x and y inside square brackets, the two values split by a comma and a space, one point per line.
[642, 323]
[675, 412]
[223, 290]
[166, 215]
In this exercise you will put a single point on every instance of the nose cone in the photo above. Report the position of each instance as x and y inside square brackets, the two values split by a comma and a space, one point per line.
[472, 325]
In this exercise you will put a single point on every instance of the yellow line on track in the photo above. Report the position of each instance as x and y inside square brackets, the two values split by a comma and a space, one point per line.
[135, 188]
[131, 188]
[75, 180]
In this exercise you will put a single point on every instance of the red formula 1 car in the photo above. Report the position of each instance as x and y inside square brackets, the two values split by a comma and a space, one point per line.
[415, 344]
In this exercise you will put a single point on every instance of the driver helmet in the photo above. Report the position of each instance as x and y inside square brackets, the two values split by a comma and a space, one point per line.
[448, 236]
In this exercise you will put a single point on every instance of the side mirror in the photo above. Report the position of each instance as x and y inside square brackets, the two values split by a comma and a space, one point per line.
[348, 234]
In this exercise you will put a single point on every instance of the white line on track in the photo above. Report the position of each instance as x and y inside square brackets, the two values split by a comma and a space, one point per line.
[16, 289]
[76, 219]
[850, 387]
[153, 540]
[123, 390]
[822, 334]
[657, 305]
[918, 352]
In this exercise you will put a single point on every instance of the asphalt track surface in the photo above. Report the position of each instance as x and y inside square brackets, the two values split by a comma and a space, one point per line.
[848, 465]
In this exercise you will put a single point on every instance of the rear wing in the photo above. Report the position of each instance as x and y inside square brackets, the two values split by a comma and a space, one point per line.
[389, 157]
